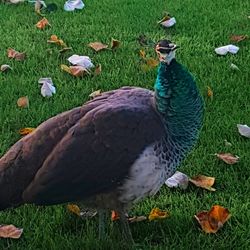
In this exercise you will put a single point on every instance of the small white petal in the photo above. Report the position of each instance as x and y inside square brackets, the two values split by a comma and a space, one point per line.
[71, 5]
[169, 23]
[244, 130]
[83, 61]
[178, 180]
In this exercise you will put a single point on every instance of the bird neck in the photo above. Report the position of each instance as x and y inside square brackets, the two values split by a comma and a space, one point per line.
[180, 105]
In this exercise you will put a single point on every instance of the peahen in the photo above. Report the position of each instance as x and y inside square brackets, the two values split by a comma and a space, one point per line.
[111, 152]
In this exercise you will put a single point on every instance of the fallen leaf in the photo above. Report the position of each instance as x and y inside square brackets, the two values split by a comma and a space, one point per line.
[210, 93]
[5, 67]
[42, 23]
[10, 231]
[238, 38]
[228, 158]
[142, 53]
[84, 61]
[203, 182]
[136, 219]
[165, 18]
[234, 67]
[78, 71]
[177, 180]
[65, 68]
[23, 102]
[98, 70]
[244, 130]
[26, 131]
[63, 50]
[114, 216]
[211, 221]
[48, 88]
[15, 54]
[156, 214]
[97, 46]
[56, 40]
[74, 209]
[151, 62]
[95, 94]
[115, 43]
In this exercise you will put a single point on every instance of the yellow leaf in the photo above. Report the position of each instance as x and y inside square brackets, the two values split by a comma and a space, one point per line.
[23, 102]
[65, 68]
[142, 53]
[74, 209]
[95, 94]
[56, 40]
[151, 62]
[210, 92]
[156, 214]
[203, 182]
[26, 131]
[211, 221]
[97, 46]
[10, 231]
[228, 158]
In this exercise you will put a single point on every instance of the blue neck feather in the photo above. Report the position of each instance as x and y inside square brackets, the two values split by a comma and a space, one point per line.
[180, 105]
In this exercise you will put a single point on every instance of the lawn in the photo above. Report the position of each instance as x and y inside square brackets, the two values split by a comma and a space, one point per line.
[201, 27]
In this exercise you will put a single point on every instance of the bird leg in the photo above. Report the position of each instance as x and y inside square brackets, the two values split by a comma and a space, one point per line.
[102, 223]
[125, 228]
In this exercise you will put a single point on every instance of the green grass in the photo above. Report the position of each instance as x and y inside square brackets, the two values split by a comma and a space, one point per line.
[201, 26]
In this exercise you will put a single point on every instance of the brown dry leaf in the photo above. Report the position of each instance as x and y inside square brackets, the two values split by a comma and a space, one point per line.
[56, 40]
[114, 216]
[98, 70]
[95, 94]
[26, 131]
[228, 158]
[203, 182]
[142, 53]
[78, 71]
[151, 62]
[238, 38]
[15, 54]
[74, 209]
[136, 219]
[42, 23]
[5, 67]
[115, 43]
[210, 92]
[10, 231]
[97, 46]
[23, 102]
[211, 221]
[156, 214]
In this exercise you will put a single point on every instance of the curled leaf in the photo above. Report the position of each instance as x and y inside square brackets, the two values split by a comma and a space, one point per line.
[114, 216]
[203, 182]
[115, 43]
[142, 53]
[177, 180]
[56, 40]
[23, 102]
[42, 23]
[10, 231]
[244, 130]
[210, 93]
[65, 68]
[137, 219]
[211, 221]
[238, 38]
[98, 70]
[78, 71]
[11, 53]
[228, 158]
[74, 209]
[95, 94]
[26, 131]
[97, 46]
[156, 214]
[5, 67]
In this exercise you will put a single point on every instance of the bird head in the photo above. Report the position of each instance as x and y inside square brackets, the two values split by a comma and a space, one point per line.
[165, 50]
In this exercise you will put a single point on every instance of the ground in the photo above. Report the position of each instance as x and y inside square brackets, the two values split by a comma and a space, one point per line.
[201, 27]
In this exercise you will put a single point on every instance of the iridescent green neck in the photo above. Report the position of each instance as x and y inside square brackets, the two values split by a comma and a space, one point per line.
[179, 103]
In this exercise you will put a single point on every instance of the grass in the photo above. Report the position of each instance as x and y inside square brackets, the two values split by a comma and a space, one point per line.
[200, 28]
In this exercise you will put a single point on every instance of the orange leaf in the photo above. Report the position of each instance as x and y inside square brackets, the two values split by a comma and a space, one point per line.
[74, 209]
[114, 216]
[10, 231]
[98, 70]
[151, 62]
[42, 23]
[115, 43]
[23, 102]
[211, 221]
[203, 182]
[26, 131]
[238, 38]
[210, 92]
[15, 54]
[97, 46]
[228, 158]
[56, 40]
[156, 213]
[78, 71]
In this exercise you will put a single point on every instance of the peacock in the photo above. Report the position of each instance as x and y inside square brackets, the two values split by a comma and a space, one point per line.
[112, 151]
